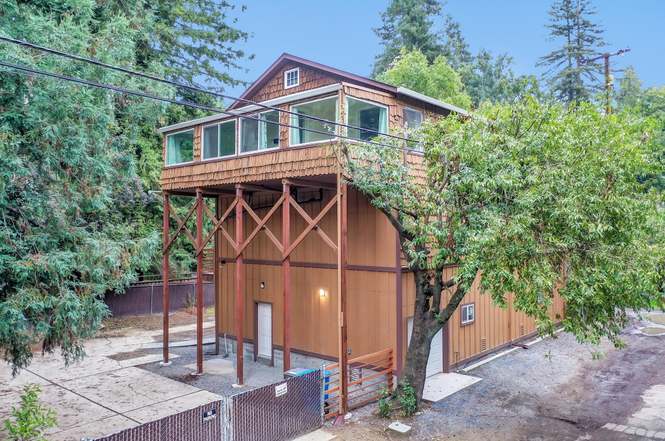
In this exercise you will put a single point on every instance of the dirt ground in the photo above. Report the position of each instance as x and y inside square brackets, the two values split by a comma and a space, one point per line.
[121, 326]
[555, 390]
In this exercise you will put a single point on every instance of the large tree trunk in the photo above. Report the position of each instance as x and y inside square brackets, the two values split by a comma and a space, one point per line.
[417, 355]
[428, 318]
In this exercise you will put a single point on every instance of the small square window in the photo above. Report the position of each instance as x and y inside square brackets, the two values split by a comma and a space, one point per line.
[291, 78]
[468, 313]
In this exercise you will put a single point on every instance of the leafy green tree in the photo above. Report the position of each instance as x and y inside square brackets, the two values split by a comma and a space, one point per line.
[571, 78]
[490, 78]
[512, 195]
[436, 79]
[407, 24]
[29, 421]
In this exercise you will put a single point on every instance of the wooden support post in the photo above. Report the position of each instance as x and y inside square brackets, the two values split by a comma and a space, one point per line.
[165, 279]
[286, 273]
[218, 214]
[399, 319]
[341, 291]
[199, 282]
[240, 288]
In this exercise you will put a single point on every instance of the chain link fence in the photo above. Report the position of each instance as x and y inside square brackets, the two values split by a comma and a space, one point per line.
[276, 412]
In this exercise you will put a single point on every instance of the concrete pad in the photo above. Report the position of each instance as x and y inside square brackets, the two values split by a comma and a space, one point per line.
[440, 386]
[652, 414]
[94, 429]
[317, 435]
[71, 409]
[54, 368]
[128, 389]
[172, 406]
[215, 366]
[23, 378]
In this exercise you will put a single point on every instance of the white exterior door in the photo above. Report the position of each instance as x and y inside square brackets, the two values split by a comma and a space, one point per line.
[435, 360]
[264, 330]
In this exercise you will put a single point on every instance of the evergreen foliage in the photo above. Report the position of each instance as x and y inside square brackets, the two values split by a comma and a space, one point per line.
[485, 77]
[407, 24]
[78, 218]
[572, 79]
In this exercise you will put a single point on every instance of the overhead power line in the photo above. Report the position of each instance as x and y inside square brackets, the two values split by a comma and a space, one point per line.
[187, 103]
[188, 87]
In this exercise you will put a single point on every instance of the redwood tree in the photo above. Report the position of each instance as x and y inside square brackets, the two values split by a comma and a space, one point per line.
[532, 197]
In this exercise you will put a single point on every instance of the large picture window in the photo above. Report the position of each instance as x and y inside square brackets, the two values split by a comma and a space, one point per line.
[366, 115]
[325, 108]
[180, 147]
[261, 133]
[219, 140]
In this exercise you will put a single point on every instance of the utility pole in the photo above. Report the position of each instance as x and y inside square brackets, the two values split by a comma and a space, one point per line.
[608, 77]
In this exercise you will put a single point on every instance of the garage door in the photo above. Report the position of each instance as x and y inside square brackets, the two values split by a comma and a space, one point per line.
[435, 360]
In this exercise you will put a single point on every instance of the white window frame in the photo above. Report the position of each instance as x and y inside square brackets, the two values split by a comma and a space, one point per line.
[218, 124]
[166, 148]
[286, 77]
[467, 307]
[258, 135]
[323, 141]
[374, 103]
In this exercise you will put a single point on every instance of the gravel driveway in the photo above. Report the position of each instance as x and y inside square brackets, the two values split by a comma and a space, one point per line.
[555, 390]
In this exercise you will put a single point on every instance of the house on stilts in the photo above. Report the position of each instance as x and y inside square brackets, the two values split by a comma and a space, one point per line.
[302, 262]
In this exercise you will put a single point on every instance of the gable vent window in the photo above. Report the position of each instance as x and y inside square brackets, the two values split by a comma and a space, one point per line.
[468, 313]
[291, 78]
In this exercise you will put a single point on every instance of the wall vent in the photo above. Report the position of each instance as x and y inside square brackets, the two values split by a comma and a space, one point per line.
[521, 329]
[483, 344]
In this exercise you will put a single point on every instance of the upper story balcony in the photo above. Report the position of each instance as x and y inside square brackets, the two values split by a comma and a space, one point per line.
[302, 109]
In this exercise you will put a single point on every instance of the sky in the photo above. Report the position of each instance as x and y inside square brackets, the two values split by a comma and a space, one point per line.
[339, 32]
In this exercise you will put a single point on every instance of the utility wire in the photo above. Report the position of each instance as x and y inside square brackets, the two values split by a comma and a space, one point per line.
[187, 103]
[189, 87]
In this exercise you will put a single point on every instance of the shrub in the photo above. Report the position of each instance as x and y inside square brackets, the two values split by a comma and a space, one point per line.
[29, 421]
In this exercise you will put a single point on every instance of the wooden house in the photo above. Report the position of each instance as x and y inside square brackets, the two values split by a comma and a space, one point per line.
[303, 262]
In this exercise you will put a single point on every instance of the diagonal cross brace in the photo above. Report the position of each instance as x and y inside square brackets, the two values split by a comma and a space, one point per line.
[261, 225]
[181, 227]
[311, 225]
[218, 225]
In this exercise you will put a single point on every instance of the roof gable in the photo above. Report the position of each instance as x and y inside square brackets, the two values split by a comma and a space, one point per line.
[312, 75]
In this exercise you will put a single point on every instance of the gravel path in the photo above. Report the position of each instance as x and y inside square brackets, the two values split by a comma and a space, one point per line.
[555, 390]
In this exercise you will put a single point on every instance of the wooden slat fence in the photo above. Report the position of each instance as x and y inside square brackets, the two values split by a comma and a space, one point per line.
[368, 375]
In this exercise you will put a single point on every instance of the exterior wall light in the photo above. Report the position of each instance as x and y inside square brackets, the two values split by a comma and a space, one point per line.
[323, 293]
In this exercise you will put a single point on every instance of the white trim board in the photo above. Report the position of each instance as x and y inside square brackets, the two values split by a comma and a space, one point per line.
[253, 107]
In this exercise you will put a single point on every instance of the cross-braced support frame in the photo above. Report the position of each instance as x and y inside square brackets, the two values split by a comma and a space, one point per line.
[239, 243]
